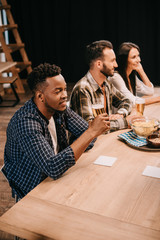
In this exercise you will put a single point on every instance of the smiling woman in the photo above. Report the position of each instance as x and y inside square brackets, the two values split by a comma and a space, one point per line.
[130, 77]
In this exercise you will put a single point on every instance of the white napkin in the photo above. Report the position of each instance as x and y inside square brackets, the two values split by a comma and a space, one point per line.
[105, 160]
[151, 171]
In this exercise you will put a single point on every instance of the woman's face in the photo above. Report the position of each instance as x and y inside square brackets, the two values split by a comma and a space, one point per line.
[133, 59]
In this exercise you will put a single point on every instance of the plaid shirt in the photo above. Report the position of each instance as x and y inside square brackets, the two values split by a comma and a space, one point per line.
[29, 152]
[87, 92]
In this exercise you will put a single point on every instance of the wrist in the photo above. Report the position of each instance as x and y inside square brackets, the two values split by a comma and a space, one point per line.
[123, 112]
[90, 133]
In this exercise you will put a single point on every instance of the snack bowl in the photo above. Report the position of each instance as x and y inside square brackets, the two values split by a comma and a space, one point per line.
[154, 140]
[144, 126]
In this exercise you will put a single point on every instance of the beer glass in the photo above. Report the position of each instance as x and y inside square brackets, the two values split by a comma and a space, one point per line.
[140, 105]
[97, 109]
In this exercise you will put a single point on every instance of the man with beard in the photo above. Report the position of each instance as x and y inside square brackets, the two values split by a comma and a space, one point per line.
[96, 89]
[37, 143]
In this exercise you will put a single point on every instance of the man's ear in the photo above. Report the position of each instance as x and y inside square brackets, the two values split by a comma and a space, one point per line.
[39, 96]
[99, 64]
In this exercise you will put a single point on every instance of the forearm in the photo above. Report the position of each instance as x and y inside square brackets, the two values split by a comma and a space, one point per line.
[152, 100]
[121, 102]
[118, 124]
[96, 127]
[80, 145]
[144, 78]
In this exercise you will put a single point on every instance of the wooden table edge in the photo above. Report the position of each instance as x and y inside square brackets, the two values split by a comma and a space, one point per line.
[69, 223]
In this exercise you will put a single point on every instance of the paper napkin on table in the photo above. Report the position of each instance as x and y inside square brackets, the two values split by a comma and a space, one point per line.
[133, 139]
[105, 161]
[152, 171]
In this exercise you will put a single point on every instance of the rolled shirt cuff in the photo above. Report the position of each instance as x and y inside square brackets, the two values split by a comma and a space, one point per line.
[122, 111]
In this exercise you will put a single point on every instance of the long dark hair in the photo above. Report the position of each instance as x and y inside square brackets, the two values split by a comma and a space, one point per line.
[122, 60]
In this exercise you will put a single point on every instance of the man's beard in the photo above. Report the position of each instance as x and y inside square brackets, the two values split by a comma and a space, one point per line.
[51, 109]
[106, 71]
[48, 107]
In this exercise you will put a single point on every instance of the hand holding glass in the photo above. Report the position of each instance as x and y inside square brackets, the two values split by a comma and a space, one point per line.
[97, 109]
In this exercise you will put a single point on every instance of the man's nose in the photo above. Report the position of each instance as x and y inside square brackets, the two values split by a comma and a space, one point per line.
[64, 94]
[115, 64]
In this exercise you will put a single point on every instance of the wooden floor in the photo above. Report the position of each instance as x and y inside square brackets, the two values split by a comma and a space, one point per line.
[6, 201]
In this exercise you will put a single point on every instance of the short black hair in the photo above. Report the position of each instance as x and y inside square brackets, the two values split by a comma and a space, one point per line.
[94, 50]
[39, 74]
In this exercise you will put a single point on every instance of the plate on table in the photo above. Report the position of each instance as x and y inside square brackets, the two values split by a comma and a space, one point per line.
[144, 148]
[136, 142]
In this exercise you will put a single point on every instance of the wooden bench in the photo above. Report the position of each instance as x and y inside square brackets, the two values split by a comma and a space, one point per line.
[9, 103]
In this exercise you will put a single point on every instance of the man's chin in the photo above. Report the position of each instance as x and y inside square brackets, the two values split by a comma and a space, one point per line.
[111, 75]
[107, 74]
[61, 109]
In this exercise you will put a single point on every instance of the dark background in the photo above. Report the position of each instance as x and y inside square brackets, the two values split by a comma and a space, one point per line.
[57, 31]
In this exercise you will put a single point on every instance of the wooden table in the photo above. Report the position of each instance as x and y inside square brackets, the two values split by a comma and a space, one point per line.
[94, 202]
[4, 66]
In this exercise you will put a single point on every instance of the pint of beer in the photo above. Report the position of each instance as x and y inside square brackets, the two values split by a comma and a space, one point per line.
[97, 109]
[140, 104]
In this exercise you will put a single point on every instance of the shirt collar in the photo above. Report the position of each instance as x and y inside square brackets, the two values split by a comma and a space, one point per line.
[35, 106]
[94, 83]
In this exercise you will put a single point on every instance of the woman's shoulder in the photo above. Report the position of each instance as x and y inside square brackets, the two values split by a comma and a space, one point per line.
[116, 77]
[116, 73]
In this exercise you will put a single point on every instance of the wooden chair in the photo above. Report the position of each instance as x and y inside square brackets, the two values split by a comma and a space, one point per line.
[5, 175]
[9, 103]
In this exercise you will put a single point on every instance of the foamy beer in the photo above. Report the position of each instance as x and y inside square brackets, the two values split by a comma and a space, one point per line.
[140, 105]
[97, 109]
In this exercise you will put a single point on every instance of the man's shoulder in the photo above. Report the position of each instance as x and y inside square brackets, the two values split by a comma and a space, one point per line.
[82, 85]
[28, 110]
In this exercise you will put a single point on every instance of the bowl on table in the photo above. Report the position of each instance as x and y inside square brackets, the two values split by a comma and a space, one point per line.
[154, 140]
[144, 126]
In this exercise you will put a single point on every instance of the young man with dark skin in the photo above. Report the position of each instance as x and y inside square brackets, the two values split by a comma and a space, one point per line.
[37, 144]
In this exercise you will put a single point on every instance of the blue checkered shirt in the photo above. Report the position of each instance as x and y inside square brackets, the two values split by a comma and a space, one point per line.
[29, 152]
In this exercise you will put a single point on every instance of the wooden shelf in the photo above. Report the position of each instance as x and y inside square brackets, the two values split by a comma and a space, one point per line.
[8, 27]
[8, 49]
[13, 47]
[20, 66]
[4, 7]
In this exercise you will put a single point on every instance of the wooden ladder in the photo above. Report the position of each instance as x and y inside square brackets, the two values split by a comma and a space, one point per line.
[8, 49]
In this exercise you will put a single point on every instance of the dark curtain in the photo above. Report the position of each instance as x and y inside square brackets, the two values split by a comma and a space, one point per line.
[57, 31]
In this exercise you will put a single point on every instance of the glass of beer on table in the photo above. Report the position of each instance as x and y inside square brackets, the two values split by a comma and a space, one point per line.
[140, 105]
[97, 109]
